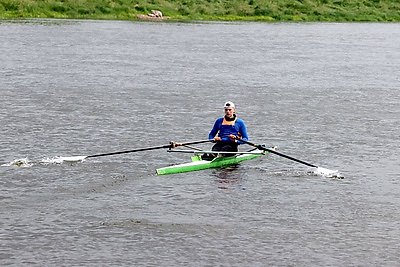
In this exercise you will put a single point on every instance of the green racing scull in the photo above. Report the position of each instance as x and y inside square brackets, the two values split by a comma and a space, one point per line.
[201, 162]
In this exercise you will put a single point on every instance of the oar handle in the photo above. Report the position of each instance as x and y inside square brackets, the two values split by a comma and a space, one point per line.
[262, 147]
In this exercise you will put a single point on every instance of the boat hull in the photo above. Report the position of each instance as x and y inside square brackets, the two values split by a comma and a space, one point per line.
[198, 164]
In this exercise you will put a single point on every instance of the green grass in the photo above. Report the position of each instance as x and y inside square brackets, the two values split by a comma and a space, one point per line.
[254, 10]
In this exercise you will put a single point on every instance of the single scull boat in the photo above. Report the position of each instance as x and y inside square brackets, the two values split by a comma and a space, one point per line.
[199, 162]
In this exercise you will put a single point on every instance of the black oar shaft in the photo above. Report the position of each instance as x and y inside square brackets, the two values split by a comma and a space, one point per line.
[129, 151]
[289, 157]
[277, 153]
[192, 143]
[170, 145]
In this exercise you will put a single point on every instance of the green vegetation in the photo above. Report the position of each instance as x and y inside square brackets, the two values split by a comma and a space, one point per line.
[254, 10]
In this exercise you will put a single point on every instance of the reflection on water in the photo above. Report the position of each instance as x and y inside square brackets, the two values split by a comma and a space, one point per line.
[229, 178]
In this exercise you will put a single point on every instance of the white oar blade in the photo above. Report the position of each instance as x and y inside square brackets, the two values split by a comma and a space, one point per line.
[69, 159]
[327, 173]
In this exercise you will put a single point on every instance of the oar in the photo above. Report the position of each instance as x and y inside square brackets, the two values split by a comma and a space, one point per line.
[261, 147]
[170, 145]
[320, 170]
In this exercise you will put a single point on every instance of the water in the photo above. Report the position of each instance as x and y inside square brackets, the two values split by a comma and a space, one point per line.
[325, 93]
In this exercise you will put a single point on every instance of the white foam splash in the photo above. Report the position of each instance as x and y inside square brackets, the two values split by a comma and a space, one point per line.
[19, 163]
[327, 173]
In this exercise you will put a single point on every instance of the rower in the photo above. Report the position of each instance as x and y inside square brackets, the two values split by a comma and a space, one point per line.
[227, 129]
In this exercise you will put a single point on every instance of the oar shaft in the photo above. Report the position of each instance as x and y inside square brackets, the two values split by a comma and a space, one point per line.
[170, 145]
[193, 142]
[129, 151]
[277, 153]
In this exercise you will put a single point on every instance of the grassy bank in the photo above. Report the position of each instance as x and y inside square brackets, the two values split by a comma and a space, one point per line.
[255, 10]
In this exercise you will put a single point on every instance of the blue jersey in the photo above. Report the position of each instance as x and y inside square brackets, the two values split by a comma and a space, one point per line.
[224, 128]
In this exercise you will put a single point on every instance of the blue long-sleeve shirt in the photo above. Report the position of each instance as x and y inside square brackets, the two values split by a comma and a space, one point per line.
[224, 128]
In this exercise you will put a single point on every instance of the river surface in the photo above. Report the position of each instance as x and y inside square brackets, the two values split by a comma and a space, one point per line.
[325, 93]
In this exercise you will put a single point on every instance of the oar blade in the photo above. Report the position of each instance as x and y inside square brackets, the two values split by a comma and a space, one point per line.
[71, 159]
[327, 173]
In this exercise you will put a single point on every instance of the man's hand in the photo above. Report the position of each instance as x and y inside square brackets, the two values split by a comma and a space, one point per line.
[217, 139]
[233, 137]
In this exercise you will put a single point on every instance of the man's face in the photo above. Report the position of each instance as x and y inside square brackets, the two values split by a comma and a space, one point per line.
[229, 112]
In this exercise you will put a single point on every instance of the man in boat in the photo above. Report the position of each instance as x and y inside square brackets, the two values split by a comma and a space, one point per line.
[227, 129]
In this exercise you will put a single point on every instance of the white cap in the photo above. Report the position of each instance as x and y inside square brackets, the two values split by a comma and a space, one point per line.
[229, 104]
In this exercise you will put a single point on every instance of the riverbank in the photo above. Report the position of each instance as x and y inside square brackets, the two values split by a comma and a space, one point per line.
[249, 10]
